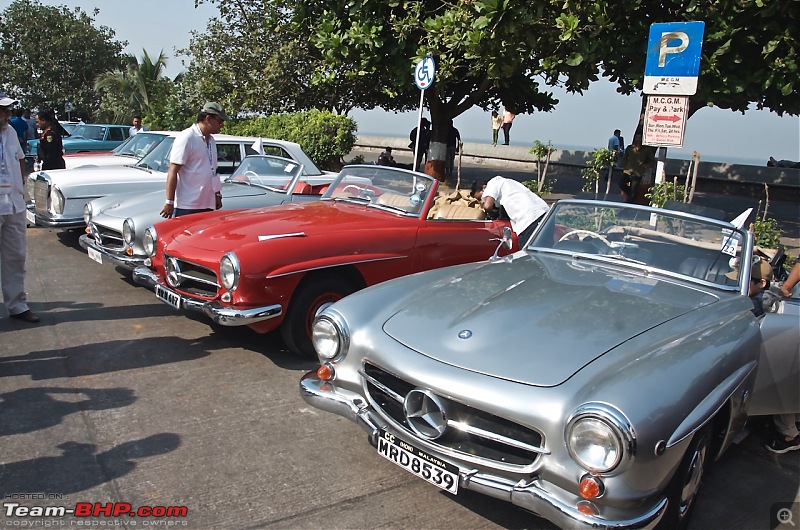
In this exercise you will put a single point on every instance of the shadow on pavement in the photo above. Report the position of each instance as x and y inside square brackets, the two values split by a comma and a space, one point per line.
[80, 467]
[105, 357]
[32, 409]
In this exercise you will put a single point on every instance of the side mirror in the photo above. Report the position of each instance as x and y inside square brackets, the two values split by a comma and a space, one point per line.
[506, 241]
[508, 238]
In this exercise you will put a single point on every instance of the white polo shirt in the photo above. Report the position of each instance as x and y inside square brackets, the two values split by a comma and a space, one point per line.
[12, 199]
[521, 204]
[197, 178]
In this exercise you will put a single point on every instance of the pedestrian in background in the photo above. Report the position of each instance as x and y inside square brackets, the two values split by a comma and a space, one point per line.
[424, 142]
[13, 225]
[137, 126]
[508, 118]
[617, 148]
[386, 158]
[637, 160]
[192, 182]
[453, 143]
[497, 122]
[50, 152]
[21, 128]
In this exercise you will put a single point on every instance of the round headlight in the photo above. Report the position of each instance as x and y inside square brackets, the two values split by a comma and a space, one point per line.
[594, 444]
[57, 200]
[229, 271]
[128, 232]
[87, 213]
[325, 338]
[149, 241]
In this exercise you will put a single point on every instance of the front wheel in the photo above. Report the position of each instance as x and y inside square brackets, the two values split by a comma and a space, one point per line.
[312, 296]
[684, 486]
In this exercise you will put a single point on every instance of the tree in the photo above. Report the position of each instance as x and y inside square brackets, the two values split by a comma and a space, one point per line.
[134, 89]
[254, 61]
[487, 52]
[44, 69]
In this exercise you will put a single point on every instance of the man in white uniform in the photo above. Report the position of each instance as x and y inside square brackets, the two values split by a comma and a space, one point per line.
[524, 208]
[13, 242]
[192, 182]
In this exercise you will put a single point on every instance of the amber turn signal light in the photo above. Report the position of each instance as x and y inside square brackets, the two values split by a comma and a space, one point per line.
[325, 372]
[590, 487]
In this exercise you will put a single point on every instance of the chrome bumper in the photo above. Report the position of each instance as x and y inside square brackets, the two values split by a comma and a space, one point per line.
[534, 495]
[225, 316]
[58, 222]
[124, 261]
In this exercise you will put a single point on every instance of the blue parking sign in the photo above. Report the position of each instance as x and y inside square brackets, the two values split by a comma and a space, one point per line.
[673, 58]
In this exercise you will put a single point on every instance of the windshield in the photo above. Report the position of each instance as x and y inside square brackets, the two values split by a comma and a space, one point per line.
[90, 132]
[662, 239]
[158, 158]
[271, 172]
[138, 145]
[381, 186]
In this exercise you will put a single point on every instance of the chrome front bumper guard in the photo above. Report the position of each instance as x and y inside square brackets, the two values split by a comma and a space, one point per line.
[124, 261]
[225, 316]
[59, 222]
[531, 495]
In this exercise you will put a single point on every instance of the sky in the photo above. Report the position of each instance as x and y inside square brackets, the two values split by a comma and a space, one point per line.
[579, 121]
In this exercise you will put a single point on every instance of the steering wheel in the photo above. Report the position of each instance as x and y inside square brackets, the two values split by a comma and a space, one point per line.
[585, 233]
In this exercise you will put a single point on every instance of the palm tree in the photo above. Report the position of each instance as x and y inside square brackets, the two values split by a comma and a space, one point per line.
[132, 86]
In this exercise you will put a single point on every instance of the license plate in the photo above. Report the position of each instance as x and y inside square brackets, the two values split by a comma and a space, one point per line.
[427, 467]
[168, 297]
[94, 255]
[31, 217]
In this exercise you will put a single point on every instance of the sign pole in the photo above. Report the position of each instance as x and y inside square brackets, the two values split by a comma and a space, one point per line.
[424, 72]
[419, 124]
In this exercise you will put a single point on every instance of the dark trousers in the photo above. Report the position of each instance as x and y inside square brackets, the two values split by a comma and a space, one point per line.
[630, 186]
[506, 128]
[186, 211]
[526, 234]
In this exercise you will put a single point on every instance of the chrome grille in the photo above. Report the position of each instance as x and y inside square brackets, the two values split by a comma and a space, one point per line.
[191, 278]
[473, 433]
[41, 194]
[107, 238]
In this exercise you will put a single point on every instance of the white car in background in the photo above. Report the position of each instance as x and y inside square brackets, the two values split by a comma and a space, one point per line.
[129, 152]
[60, 195]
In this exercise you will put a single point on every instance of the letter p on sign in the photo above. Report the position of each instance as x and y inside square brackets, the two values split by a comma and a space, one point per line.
[666, 49]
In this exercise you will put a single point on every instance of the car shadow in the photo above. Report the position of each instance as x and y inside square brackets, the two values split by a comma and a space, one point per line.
[105, 357]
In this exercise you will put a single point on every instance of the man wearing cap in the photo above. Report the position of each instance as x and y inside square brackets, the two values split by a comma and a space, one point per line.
[524, 208]
[13, 243]
[192, 182]
[760, 275]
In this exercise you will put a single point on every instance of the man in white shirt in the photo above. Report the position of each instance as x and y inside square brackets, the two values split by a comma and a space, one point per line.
[137, 126]
[524, 208]
[13, 225]
[192, 182]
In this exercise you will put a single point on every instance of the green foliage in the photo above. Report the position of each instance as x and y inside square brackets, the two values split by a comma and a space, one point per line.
[325, 137]
[599, 162]
[663, 191]
[547, 187]
[52, 55]
[767, 233]
[134, 89]
[358, 159]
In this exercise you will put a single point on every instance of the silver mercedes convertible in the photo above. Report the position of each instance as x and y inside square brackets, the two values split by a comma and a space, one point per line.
[590, 378]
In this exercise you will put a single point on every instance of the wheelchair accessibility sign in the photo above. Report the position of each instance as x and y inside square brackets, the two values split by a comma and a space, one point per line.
[673, 58]
[424, 73]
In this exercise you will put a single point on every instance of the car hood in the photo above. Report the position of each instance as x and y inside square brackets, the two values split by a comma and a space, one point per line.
[102, 175]
[539, 319]
[246, 227]
[145, 204]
